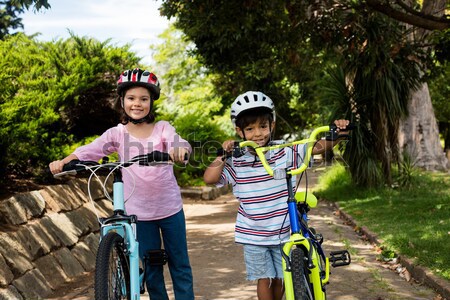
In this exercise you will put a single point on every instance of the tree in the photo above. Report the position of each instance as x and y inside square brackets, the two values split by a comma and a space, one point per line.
[419, 134]
[189, 100]
[9, 18]
[304, 36]
[428, 17]
[10, 11]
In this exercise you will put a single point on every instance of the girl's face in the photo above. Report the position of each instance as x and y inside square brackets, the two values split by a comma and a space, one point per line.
[258, 132]
[137, 102]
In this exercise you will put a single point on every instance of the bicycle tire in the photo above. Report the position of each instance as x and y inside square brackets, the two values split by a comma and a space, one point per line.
[112, 269]
[300, 275]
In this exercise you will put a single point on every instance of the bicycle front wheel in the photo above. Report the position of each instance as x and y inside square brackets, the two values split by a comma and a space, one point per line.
[112, 269]
[300, 275]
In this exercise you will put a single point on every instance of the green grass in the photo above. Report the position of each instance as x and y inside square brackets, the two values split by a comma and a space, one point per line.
[413, 221]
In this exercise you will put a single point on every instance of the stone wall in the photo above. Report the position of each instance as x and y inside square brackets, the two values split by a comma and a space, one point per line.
[47, 237]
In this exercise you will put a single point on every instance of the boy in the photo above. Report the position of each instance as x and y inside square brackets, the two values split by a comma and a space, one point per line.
[261, 222]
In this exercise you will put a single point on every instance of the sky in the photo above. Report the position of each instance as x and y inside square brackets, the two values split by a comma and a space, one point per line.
[136, 22]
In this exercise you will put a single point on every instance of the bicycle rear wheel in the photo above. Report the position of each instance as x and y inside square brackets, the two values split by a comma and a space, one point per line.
[112, 269]
[300, 275]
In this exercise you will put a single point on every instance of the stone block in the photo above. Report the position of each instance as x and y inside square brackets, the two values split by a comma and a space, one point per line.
[33, 285]
[64, 196]
[84, 255]
[104, 208]
[30, 242]
[51, 270]
[6, 276]
[51, 204]
[47, 232]
[92, 240]
[91, 217]
[96, 187]
[70, 265]
[10, 293]
[34, 204]
[15, 255]
[13, 212]
[66, 231]
[191, 192]
[77, 188]
[83, 219]
[210, 193]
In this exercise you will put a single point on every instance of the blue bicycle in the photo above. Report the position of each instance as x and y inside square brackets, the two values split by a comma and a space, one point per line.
[119, 273]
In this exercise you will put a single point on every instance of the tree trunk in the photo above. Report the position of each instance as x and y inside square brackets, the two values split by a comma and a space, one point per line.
[419, 134]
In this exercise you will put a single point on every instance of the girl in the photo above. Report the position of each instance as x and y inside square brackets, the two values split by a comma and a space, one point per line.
[156, 199]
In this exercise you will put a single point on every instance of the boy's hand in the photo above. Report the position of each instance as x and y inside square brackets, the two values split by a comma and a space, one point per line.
[228, 145]
[341, 124]
[179, 154]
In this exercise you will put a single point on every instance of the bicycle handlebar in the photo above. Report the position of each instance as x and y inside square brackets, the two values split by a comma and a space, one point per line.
[280, 173]
[76, 166]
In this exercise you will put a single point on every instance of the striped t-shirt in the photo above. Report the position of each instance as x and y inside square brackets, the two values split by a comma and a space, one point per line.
[262, 215]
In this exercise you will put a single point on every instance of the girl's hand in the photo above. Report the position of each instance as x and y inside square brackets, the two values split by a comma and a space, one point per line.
[178, 154]
[56, 166]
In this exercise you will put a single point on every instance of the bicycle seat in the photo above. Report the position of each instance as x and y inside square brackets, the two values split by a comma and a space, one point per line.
[311, 199]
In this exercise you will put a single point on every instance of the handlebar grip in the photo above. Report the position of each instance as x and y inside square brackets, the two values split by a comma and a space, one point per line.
[157, 156]
[350, 126]
[71, 165]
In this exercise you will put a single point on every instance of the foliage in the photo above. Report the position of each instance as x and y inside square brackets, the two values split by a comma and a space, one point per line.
[54, 94]
[260, 48]
[189, 101]
[10, 11]
[406, 170]
[412, 222]
[439, 87]
[9, 17]
[373, 89]
[37, 4]
[285, 56]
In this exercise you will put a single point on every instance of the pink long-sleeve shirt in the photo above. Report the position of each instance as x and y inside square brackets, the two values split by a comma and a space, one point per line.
[156, 194]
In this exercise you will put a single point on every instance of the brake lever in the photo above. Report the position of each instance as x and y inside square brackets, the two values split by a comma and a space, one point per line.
[237, 151]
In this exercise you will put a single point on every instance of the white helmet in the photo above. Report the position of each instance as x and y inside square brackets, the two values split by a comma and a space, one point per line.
[250, 100]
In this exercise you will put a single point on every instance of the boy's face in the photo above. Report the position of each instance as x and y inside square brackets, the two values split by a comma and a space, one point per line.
[258, 132]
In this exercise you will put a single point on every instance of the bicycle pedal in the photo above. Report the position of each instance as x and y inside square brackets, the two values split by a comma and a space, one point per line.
[157, 257]
[340, 258]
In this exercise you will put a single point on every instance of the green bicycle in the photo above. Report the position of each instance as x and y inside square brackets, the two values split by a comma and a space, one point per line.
[306, 268]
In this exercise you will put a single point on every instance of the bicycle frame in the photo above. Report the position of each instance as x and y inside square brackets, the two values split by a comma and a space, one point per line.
[125, 226]
[301, 236]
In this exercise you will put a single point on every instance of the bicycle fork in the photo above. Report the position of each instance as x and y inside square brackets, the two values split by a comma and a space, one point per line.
[131, 247]
[313, 265]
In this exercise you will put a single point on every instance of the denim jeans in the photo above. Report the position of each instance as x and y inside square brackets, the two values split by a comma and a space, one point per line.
[173, 232]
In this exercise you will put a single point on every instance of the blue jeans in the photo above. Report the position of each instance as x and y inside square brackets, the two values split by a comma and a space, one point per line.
[173, 232]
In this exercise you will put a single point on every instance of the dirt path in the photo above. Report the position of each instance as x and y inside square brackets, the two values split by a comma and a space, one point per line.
[219, 271]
